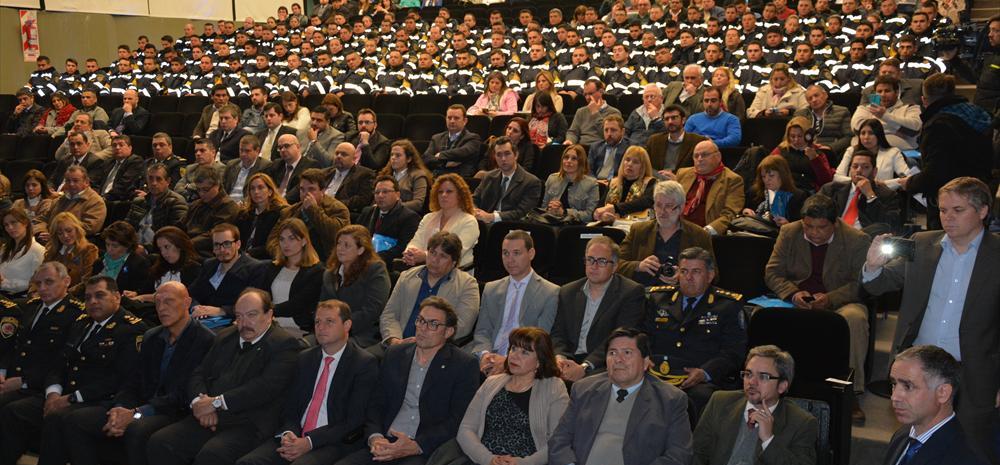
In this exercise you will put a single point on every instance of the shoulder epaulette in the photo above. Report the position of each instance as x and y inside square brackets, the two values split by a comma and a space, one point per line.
[133, 320]
[78, 303]
[728, 294]
[33, 300]
[7, 303]
[82, 316]
[664, 288]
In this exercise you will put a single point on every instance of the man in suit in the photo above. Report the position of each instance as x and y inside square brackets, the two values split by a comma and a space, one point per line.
[323, 138]
[696, 330]
[286, 171]
[324, 416]
[714, 193]
[392, 225]
[223, 277]
[754, 425]
[606, 155]
[79, 199]
[163, 152]
[41, 334]
[423, 390]
[508, 192]
[950, 297]
[591, 307]
[79, 155]
[232, 392]
[651, 244]
[523, 298]
[213, 207]
[865, 204]
[227, 136]
[156, 396]
[455, 150]
[130, 119]
[926, 380]
[374, 146]
[205, 158]
[687, 93]
[322, 214]
[99, 354]
[209, 120]
[673, 148]
[815, 265]
[349, 182]
[99, 139]
[157, 206]
[603, 408]
[439, 276]
[234, 179]
[121, 176]
[273, 129]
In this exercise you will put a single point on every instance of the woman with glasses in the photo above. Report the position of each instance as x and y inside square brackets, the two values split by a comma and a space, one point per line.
[294, 276]
[356, 275]
[261, 209]
[20, 253]
[452, 211]
[69, 246]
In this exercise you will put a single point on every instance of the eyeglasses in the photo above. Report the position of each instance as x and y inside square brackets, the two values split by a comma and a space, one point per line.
[223, 245]
[762, 377]
[432, 325]
[602, 262]
[284, 146]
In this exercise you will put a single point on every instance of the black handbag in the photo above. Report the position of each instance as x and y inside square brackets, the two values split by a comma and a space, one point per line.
[540, 216]
[754, 225]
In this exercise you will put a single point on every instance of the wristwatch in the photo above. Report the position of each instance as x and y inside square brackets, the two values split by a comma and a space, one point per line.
[217, 402]
[136, 414]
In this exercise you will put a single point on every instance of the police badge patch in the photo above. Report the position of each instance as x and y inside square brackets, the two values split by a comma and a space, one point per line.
[8, 327]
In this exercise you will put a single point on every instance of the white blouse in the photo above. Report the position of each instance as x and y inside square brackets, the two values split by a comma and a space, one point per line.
[464, 225]
[18, 271]
[890, 165]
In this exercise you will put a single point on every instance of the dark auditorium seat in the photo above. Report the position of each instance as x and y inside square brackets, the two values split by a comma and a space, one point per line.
[466, 101]
[142, 146]
[571, 247]
[353, 103]
[391, 103]
[192, 104]
[548, 162]
[429, 103]
[498, 125]
[169, 122]
[421, 126]
[391, 125]
[190, 122]
[15, 171]
[109, 102]
[489, 266]
[767, 132]
[34, 147]
[740, 260]
[162, 104]
[8, 146]
[479, 124]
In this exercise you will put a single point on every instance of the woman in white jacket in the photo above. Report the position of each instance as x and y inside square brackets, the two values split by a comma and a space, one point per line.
[20, 253]
[890, 164]
[781, 96]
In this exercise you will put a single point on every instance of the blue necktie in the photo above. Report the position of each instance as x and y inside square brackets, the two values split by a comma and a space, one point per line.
[911, 450]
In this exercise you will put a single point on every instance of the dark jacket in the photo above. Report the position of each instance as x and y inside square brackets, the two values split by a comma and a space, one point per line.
[277, 172]
[229, 149]
[36, 349]
[357, 190]
[255, 229]
[131, 125]
[134, 275]
[954, 142]
[883, 210]
[524, 192]
[24, 123]
[622, 306]
[202, 217]
[399, 223]
[323, 221]
[465, 151]
[170, 210]
[375, 155]
[252, 387]
[947, 446]
[302, 295]
[239, 276]
[657, 148]
[275, 156]
[165, 392]
[129, 178]
[233, 171]
[366, 295]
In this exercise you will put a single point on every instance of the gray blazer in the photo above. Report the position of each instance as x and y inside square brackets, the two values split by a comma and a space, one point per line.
[658, 431]
[584, 195]
[538, 308]
[545, 407]
[461, 291]
[321, 150]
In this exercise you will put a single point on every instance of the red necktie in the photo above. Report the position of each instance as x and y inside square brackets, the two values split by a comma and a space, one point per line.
[851, 215]
[312, 415]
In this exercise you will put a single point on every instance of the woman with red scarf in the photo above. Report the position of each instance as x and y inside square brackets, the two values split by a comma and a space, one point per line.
[55, 117]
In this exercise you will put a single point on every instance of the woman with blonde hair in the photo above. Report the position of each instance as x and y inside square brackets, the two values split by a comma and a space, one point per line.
[37, 201]
[20, 253]
[261, 209]
[451, 210]
[497, 98]
[630, 194]
[356, 275]
[781, 96]
[732, 100]
[294, 276]
[413, 177]
[806, 160]
[544, 84]
[572, 192]
[68, 245]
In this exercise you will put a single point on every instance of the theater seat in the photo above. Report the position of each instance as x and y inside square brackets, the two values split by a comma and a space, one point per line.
[391, 125]
[489, 266]
[741, 260]
[571, 247]
[422, 126]
[192, 103]
[391, 103]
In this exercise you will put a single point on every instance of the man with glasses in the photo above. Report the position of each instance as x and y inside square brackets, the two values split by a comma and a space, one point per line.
[588, 122]
[391, 224]
[696, 330]
[212, 207]
[222, 278]
[286, 171]
[754, 425]
[438, 277]
[405, 424]
[673, 148]
[591, 307]
[205, 158]
[79, 199]
[100, 139]
[652, 244]
[687, 93]
[370, 142]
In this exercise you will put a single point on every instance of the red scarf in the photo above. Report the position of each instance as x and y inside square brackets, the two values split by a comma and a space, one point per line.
[699, 184]
[62, 117]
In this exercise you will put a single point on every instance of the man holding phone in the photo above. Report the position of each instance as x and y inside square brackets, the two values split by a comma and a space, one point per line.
[900, 120]
[950, 298]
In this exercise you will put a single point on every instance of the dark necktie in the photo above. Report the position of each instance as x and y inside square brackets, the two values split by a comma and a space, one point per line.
[245, 347]
[750, 422]
[378, 223]
[911, 450]
[689, 304]
[94, 328]
[622, 394]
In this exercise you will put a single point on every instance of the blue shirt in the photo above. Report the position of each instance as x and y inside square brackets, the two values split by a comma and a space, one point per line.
[724, 129]
[426, 290]
[947, 298]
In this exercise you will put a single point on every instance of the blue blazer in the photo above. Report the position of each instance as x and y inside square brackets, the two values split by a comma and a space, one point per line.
[596, 157]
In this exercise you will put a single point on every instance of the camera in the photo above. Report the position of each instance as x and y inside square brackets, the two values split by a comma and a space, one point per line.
[668, 268]
[899, 247]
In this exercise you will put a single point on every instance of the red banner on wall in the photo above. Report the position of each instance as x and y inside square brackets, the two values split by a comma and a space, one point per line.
[29, 35]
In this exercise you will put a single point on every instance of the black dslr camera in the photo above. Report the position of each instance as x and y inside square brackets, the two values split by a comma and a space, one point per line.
[668, 268]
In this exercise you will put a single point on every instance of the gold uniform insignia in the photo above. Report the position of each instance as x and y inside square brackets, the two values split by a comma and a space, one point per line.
[8, 327]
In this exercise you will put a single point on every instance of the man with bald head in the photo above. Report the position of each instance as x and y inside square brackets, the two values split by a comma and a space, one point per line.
[156, 396]
[348, 181]
[714, 193]
[129, 119]
[286, 172]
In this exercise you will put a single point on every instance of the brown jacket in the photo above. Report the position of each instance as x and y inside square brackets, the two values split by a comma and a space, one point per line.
[791, 263]
[88, 207]
[79, 263]
[657, 148]
[724, 200]
[323, 222]
[641, 240]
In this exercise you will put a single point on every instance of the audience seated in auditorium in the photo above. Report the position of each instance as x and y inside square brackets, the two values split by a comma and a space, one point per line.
[209, 120]
[37, 199]
[891, 168]
[721, 127]
[20, 253]
[121, 260]
[323, 138]
[71, 248]
[259, 211]
[163, 152]
[807, 161]
[26, 116]
[647, 119]
[130, 119]
[79, 199]
[588, 121]
[286, 171]
[452, 211]
[406, 166]
[206, 159]
[173, 260]
[293, 277]
[272, 130]
[901, 121]
[630, 193]
[390, 225]
[672, 149]
[831, 124]
[348, 181]
[781, 96]
[372, 144]
[865, 204]
[224, 276]
[238, 171]
[226, 137]
[687, 93]
[571, 193]
[508, 192]
[774, 193]
[606, 155]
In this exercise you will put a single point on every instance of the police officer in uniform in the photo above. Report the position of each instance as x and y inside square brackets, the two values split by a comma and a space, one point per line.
[36, 333]
[696, 331]
[98, 355]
